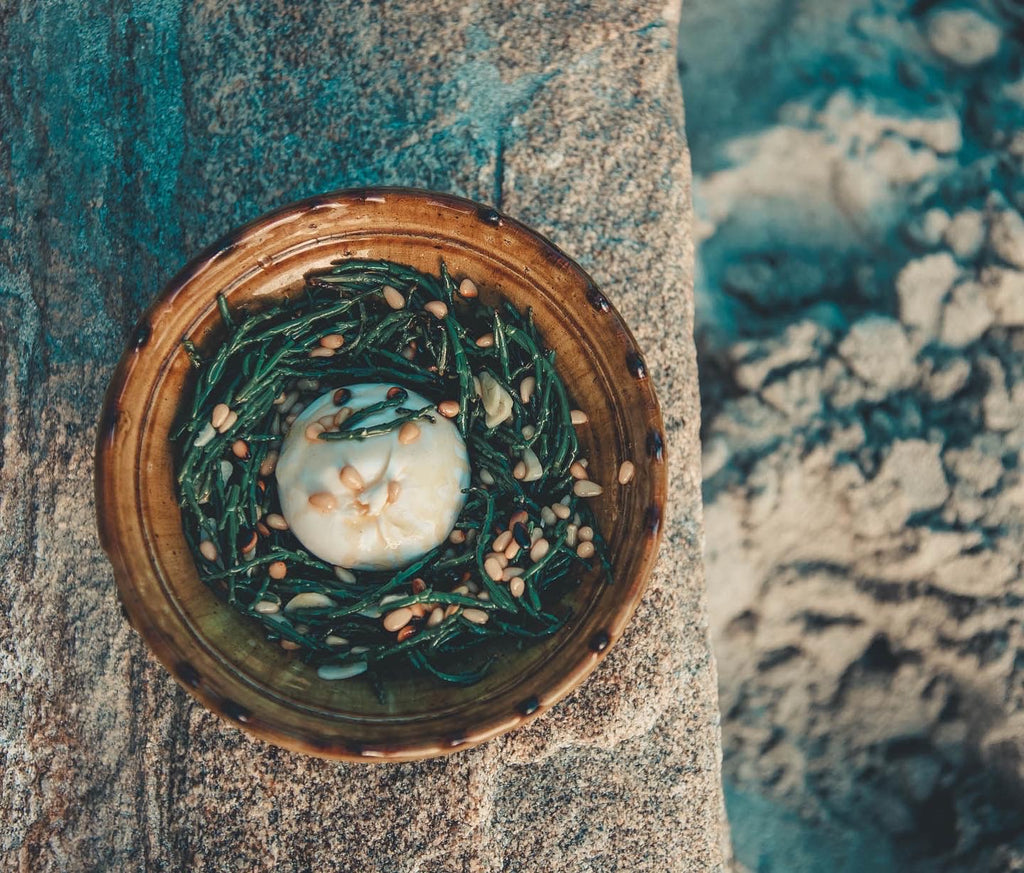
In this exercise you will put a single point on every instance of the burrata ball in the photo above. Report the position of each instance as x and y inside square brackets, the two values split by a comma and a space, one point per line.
[377, 503]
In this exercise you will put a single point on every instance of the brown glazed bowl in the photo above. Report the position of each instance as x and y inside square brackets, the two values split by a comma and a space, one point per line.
[220, 656]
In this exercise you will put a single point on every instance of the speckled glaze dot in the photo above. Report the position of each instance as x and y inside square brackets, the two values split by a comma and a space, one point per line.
[489, 216]
[637, 365]
[652, 520]
[597, 300]
[188, 674]
[655, 445]
[457, 739]
[141, 335]
[599, 641]
[236, 711]
[528, 706]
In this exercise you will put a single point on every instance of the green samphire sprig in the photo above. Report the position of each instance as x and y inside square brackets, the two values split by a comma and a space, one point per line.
[377, 321]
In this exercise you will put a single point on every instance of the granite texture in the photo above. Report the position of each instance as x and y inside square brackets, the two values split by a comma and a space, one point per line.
[177, 122]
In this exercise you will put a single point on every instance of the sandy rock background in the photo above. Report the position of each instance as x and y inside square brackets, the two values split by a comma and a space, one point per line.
[860, 305]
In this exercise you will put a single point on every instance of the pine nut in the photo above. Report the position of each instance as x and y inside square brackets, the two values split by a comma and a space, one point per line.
[335, 640]
[277, 570]
[342, 415]
[448, 408]
[536, 534]
[219, 415]
[492, 568]
[205, 435]
[269, 464]
[539, 550]
[321, 352]
[512, 550]
[327, 421]
[406, 632]
[560, 510]
[397, 619]
[516, 586]
[436, 617]
[308, 385]
[585, 533]
[229, 422]
[526, 388]
[451, 610]
[461, 589]
[314, 430]
[308, 600]
[511, 573]
[332, 341]
[586, 488]
[408, 433]
[393, 297]
[290, 645]
[477, 616]
[501, 541]
[394, 490]
[529, 432]
[351, 479]
[484, 597]
[468, 289]
[457, 537]
[486, 477]
[626, 472]
[208, 550]
[570, 535]
[323, 500]
[330, 672]
[436, 308]
[547, 516]
[577, 470]
[409, 352]
[276, 521]
[585, 550]
[578, 416]
[486, 341]
[519, 470]
[262, 529]
[418, 585]
[345, 575]
[518, 517]
[266, 607]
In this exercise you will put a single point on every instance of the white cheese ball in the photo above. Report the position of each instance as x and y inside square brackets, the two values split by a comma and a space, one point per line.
[403, 500]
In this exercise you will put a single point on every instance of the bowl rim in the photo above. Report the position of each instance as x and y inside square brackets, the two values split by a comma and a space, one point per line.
[114, 535]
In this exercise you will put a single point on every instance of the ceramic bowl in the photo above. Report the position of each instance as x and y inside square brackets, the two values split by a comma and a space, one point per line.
[220, 656]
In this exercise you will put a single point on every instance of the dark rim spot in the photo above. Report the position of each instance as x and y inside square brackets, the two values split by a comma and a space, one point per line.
[141, 335]
[488, 216]
[354, 748]
[189, 674]
[652, 520]
[637, 365]
[236, 711]
[529, 706]
[456, 739]
[597, 299]
[600, 641]
[655, 445]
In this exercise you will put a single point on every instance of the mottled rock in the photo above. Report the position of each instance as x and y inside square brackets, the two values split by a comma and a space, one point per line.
[922, 285]
[877, 350]
[963, 37]
[1004, 291]
[966, 316]
[965, 234]
[174, 123]
[1006, 236]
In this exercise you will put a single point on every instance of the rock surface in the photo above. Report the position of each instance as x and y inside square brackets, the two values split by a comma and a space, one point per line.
[865, 497]
[177, 122]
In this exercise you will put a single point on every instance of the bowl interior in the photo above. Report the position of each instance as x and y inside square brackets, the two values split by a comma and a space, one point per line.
[221, 656]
